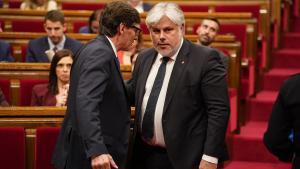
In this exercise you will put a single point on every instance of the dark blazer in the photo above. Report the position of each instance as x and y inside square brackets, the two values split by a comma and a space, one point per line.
[146, 7]
[285, 118]
[41, 96]
[98, 114]
[196, 108]
[37, 47]
[5, 54]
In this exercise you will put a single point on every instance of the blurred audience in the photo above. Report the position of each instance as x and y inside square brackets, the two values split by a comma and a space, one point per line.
[93, 25]
[55, 93]
[42, 49]
[3, 101]
[47, 5]
[5, 53]
[207, 32]
[139, 5]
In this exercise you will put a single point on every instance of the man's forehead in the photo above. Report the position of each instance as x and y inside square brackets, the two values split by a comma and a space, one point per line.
[53, 23]
[210, 23]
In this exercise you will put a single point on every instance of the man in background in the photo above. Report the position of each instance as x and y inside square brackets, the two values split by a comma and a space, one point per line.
[207, 32]
[5, 53]
[43, 49]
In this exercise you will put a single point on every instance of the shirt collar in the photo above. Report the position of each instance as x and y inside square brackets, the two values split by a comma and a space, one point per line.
[60, 45]
[113, 46]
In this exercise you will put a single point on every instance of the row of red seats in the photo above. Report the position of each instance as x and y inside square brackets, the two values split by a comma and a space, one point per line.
[13, 147]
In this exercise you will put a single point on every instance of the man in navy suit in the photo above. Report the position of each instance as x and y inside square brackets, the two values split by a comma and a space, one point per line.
[181, 98]
[5, 54]
[43, 49]
[95, 131]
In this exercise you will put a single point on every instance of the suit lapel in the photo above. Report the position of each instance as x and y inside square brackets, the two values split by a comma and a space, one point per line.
[180, 64]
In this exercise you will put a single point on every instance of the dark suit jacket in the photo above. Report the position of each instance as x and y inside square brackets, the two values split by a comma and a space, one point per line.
[41, 96]
[5, 54]
[37, 47]
[196, 108]
[147, 7]
[98, 114]
[285, 117]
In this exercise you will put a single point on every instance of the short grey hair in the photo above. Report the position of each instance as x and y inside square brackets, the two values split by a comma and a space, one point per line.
[171, 10]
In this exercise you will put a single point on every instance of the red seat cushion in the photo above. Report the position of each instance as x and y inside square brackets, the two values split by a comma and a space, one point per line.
[44, 146]
[12, 147]
[194, 8]
[26, 86]
[78, 24]
[14, 3]
[5, 87]
[27, 25]
[81, 6]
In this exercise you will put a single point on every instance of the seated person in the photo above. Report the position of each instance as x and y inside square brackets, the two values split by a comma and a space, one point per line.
[3, 101]
[42, 49]
[5, 54]
[46, 5]
[139, 5]
[207, 32]
[129, 57]
[93, 25]
[55, 93]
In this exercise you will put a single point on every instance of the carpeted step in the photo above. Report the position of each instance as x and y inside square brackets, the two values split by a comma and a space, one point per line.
[286, 58]
[260, 107]
[274, 79]
[256, 165]
[248, 145]
[289, 40]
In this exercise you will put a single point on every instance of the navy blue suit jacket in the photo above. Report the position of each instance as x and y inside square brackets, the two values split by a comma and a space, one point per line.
[37, 47]
[5, 54]
[98, 115]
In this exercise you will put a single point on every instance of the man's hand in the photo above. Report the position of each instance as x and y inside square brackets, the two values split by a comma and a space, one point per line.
[103, 161]
[207, 165]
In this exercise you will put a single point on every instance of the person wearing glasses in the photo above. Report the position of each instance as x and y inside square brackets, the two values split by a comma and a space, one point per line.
[95, 130]
[55, 93]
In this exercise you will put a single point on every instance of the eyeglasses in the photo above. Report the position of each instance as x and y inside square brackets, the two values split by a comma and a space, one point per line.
[137, 30]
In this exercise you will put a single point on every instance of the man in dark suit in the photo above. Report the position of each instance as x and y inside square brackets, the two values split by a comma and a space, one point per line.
[95, 131]
[207, 32]
[284, 123]
[181, 98]
[5, 53]
[43, 49]
[139, 5]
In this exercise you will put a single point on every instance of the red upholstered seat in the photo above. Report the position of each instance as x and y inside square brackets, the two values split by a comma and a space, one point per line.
[5, 87]
[82, 6]
[26, 86]
[12, 148]
[27, 25]
[2, 24]
[77, 25]
[23, 54]
[254, 9]
[233, 119]
[144, 28]
[14, 3]
[194, 8]
[44, 145]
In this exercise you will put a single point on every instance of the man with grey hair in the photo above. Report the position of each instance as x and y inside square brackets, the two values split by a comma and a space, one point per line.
[181, 98]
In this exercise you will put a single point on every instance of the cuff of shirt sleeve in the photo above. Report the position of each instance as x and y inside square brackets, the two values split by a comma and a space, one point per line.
[210, 159]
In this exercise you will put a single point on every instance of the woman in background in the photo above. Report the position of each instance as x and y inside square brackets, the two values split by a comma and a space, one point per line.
[46, 5]
[93, 25]
[55, 93]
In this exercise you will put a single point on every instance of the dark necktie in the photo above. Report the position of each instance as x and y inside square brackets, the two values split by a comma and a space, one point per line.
[148, 120]
[54, 49]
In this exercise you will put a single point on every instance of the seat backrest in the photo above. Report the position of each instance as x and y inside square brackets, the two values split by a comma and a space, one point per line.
[12, 146]
[81, 6]
[44, 146]
[194, 8]
[26, 86]
[14, 3]
[5, 87]
[77, 25]
[27, 25]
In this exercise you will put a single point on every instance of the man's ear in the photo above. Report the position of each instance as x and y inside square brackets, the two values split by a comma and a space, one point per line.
[121, 28]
